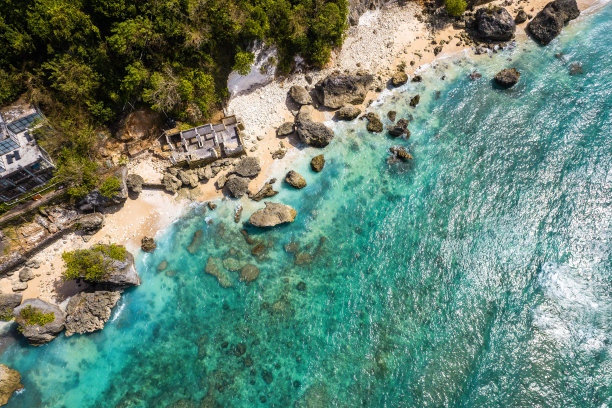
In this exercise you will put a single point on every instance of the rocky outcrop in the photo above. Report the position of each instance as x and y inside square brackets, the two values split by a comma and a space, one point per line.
[400, 153]
[237, 186]
[348, 113]
[8, 302]
[10, 381]
[314, 133]
[248, 167]
[414, 101]
[285, 129]
[248, 273]
[89, 311]
[91, 223]
[358, 7]
[273, 214]
[521, 17]
[147, 244]
[300, 95]
[549, 22]
[134, 183]
[337, 90]
[295, 180]
[122, 274]
[265, 192]
[507, 78]
[35, 333]
[95, 200]
[399, 78]
[317, 163]
[171, 183]
[494, 24]
[400, 129]
[374, 124]
[188, 178]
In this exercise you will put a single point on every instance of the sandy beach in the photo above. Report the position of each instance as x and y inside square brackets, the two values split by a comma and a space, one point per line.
[383, 40]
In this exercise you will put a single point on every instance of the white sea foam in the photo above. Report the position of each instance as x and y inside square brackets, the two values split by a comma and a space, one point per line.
[118, 311]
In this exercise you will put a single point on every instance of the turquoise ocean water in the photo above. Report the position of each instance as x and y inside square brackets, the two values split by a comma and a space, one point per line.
[478, 275]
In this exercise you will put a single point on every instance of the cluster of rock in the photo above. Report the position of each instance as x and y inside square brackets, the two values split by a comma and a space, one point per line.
[549, 22]
[176, 178]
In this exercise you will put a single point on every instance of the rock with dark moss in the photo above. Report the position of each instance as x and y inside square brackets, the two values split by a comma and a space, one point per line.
[314, 133]
[348, 113]
[89, 311]
[494, 24]
[374, 124]
[300, 95]
[337, 89]
[507, 78]
[273, 214]
[317, 163]
[295, 179]
[285, 129]
[416, 78]
[474, 75]
[521, 17]
[237, 186]
[399, 78]
[414, 101]
[248, 273]
[549, 22]
[147, 244]
[29, 315]
[248, 167]
[400, 129]
[10, 381]
[265, 192]
[391, 115]
[90, 223]
[134, 183]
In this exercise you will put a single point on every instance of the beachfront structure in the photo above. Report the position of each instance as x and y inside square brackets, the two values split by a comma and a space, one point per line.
[206, 143]
[24, 165]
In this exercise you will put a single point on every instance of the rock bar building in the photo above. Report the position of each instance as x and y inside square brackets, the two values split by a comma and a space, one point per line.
[24, 165]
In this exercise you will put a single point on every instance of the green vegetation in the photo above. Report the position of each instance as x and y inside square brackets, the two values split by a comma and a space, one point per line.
[110, 186]
[6, 314]
[32, 316]
[455, 7]
[92, 264]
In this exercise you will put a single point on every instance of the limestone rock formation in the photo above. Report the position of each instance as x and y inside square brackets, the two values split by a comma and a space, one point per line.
[91, 223]
[89, 311]
[188, 178]
[314, 133]
[400, 152]
[95, 200]
[10, 381]
[348, 113]
[285, 129]
[400, 128]
[171, 183]
[300, 95]
[248, 273]
[134, 183]
[122, 274]
[266, 191]
[507, 78]
[399, 78]
[237, 186]
[494, 24]
[8, 302]
[248, 167]
[147, 244]
[337, 90]
[273, 214]
[39, 334]
[521, 17]
[295, 179]
[26, 275]
[317, 163]
[549, 22]
[414, 101]
[374, 124]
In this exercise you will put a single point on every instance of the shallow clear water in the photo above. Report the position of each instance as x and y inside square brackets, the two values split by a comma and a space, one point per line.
[477, 275]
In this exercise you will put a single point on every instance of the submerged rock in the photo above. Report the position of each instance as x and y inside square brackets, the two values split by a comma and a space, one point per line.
[213, 269]
[549, 22]
[27, 315]
[374, 124]
[248, 273]
[196, 241]
[507, 78]
[494, 24]
[89, 311]
[337, 90]
[10, 381]
[300, 95]
[317, 163]
[400, 153]
[295, 180]
[348, 113]
[273, 214]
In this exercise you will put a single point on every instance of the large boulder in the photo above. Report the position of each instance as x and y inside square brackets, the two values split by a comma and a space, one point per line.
[348, 113]
[266, 191]
[300, 95]
[147, 244]
[89, 311]
[549, 22]
[494, 24]
[507, 78]
[134, 183]
[10, 381]
[237, 186]
[295, 179]
[273, 214]
[400, 128]
[122, 274]
[317, 163]
[374, 124]
[314, 133]
[337, 90]
[95, 200]
[29, 315]
[171, 183]
[285, 129]
[91, 223]
[189, 178]
[8, 302]
[248, 167]
[399, 78]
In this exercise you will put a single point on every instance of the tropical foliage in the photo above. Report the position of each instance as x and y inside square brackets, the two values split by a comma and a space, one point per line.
[93, 264]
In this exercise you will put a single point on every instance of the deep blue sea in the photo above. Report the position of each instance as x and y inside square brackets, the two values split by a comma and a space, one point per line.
[477, 275]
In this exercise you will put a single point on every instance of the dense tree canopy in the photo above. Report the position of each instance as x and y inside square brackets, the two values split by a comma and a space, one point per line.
[93, 58]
